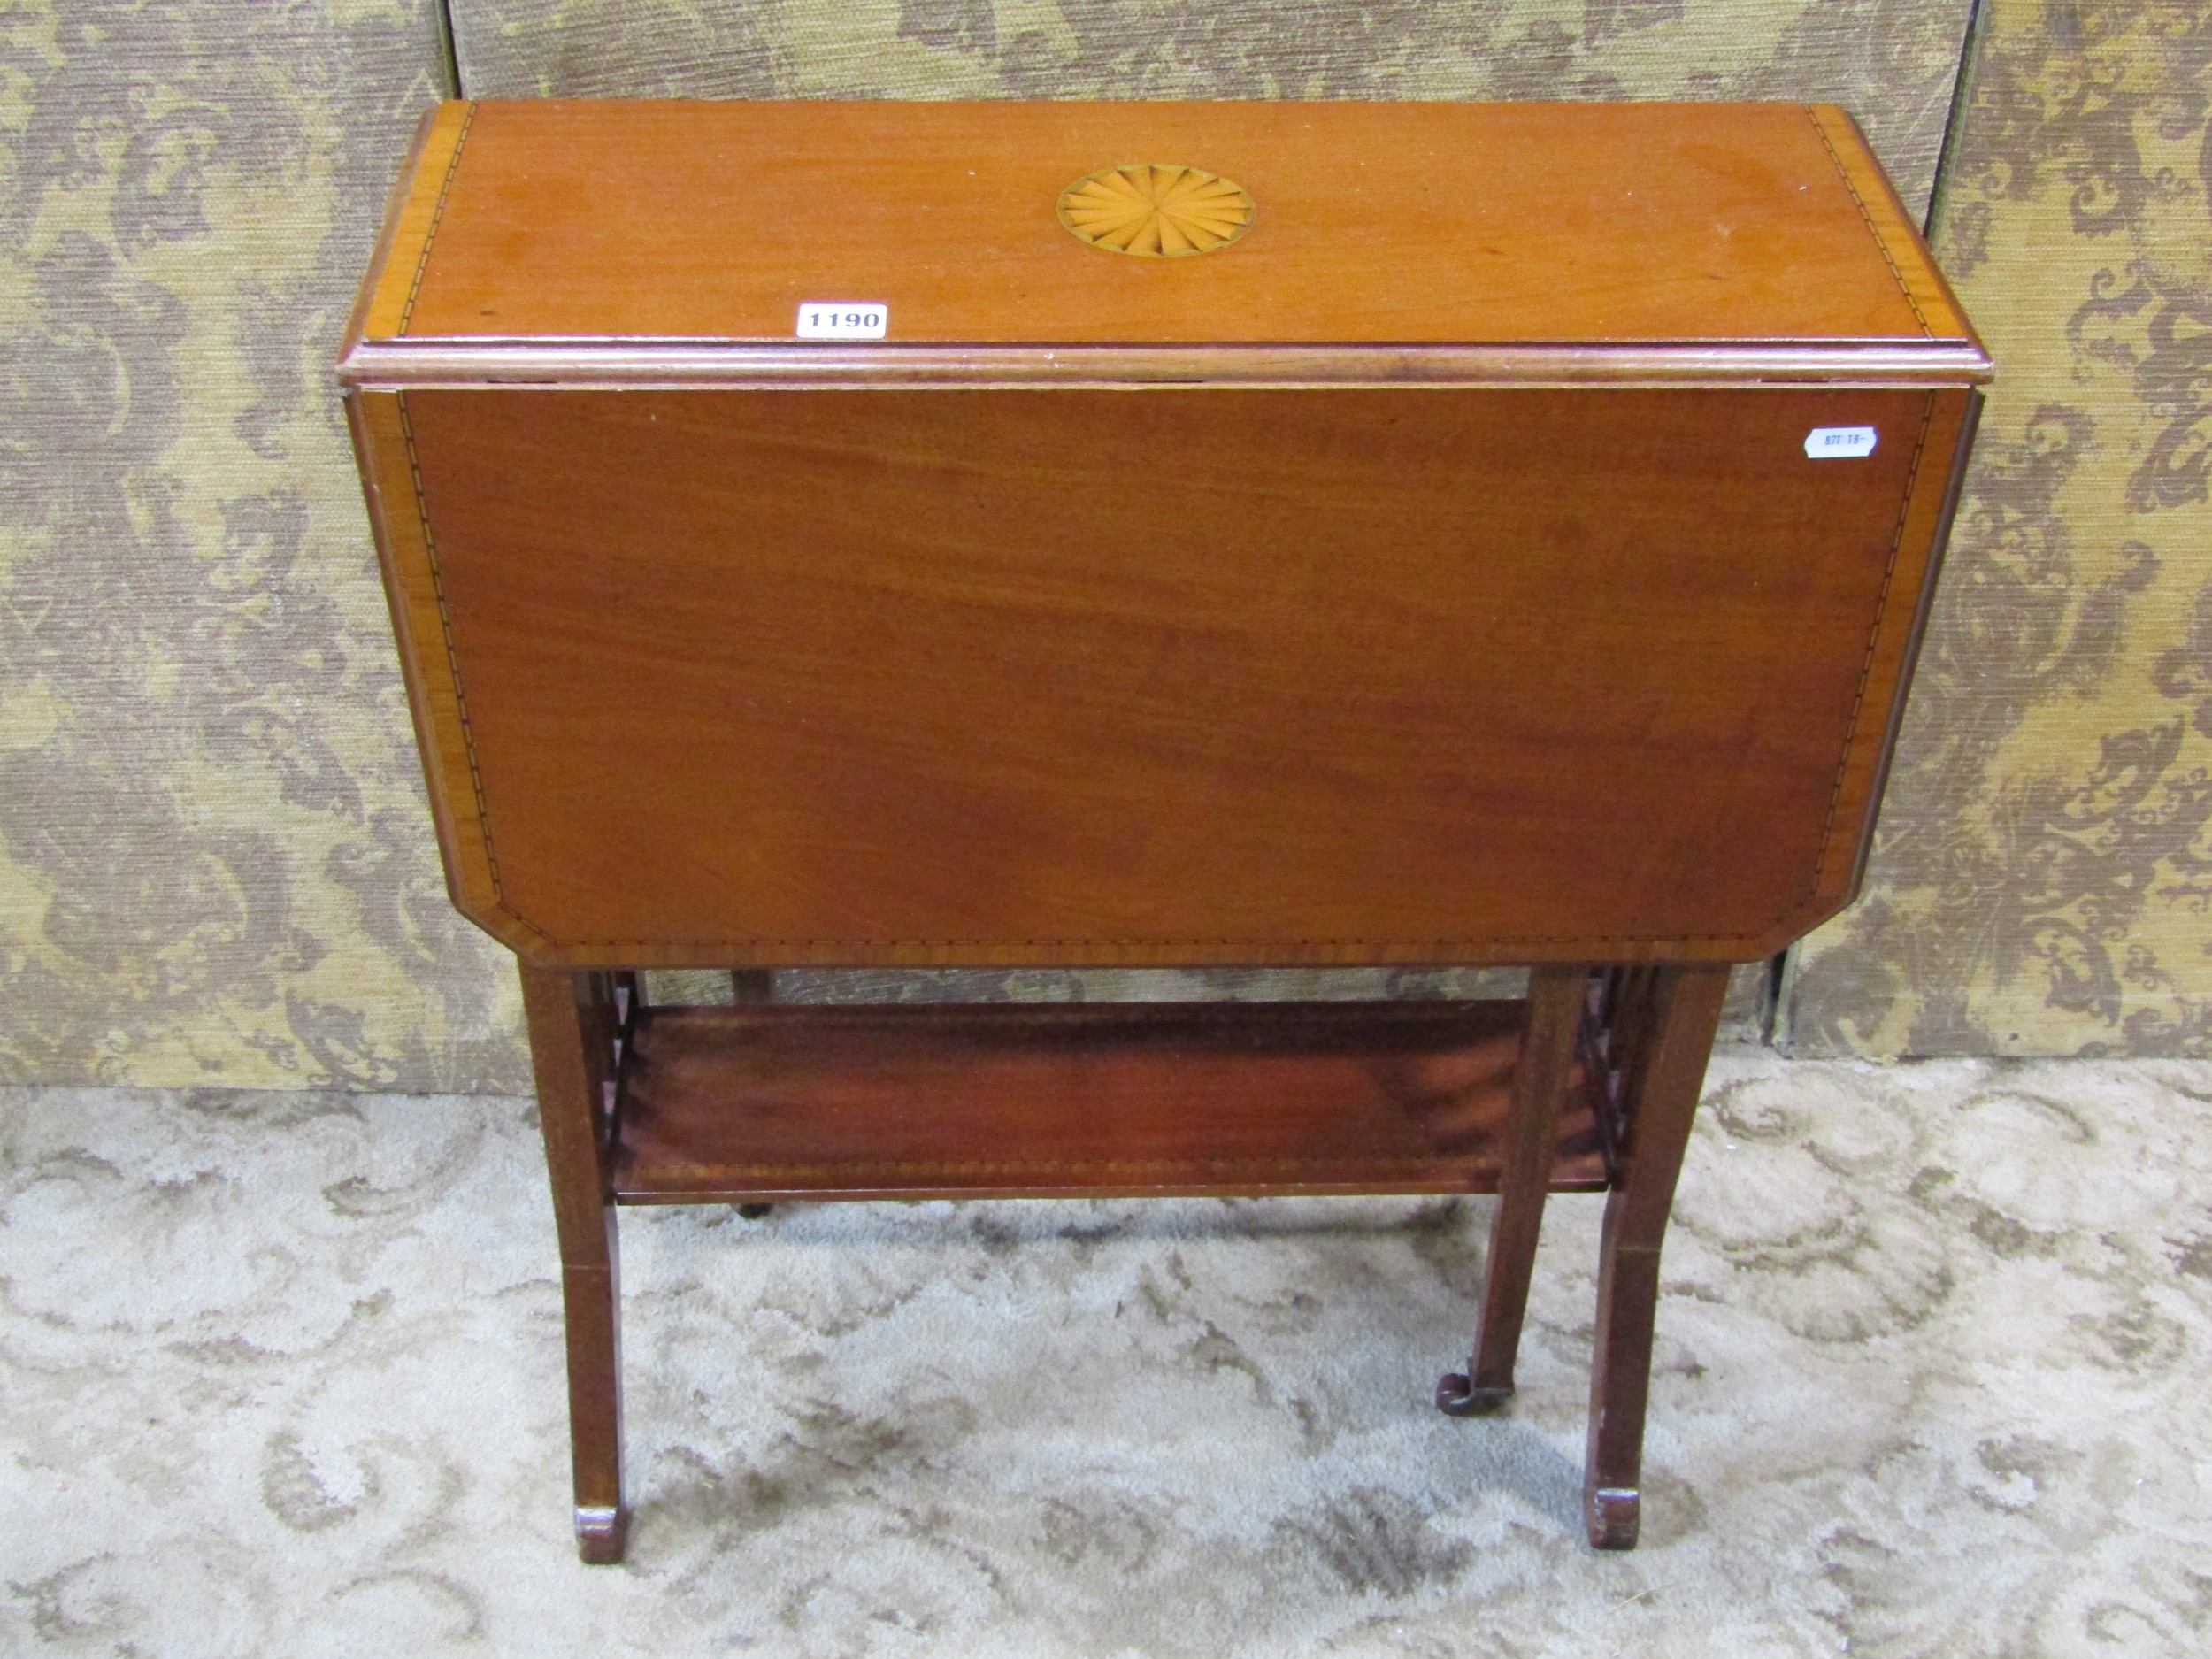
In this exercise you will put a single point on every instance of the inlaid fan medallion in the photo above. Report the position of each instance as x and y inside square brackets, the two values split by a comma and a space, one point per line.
[1155, 211]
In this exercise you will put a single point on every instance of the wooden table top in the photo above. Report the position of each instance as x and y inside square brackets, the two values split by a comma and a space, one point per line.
[1261, 534]
[562, 224]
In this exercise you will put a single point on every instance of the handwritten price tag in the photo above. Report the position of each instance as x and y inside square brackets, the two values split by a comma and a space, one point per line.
[1840, 443]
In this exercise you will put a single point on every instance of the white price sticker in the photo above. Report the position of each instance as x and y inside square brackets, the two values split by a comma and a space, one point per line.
[843, 319]
[1840, 443]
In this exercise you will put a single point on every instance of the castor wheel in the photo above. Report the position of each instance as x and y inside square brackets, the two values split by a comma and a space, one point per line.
[1456, 1397]
[752, 1212]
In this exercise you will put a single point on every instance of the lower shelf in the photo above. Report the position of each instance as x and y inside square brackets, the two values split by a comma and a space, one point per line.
[727, 1104]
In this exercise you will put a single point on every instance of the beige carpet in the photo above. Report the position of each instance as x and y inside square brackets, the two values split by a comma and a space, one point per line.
[279, 1375]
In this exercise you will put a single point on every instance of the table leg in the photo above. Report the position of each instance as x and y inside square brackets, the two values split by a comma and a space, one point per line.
[1659, 1101]
[573, 1023]
[1556, 997]
[749, 985]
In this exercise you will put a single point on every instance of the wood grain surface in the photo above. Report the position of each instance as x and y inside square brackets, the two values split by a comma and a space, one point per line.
[1299, 672]
[579, 221]
[1661, 1093]
[573, 1022]
[732, 1103]
[1230, 675]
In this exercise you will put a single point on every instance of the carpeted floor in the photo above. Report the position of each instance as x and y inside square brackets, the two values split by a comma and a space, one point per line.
[281, 1374]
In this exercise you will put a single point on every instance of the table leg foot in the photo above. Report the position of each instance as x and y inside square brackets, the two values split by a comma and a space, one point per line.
[1612, 1515]
[575, 1025]
[1660, 1098]
[1557, 997]
[601, 1536]
[1456, 1397]
[752, 1212]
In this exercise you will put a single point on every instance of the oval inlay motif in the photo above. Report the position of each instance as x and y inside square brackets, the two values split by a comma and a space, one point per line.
[1155, 211]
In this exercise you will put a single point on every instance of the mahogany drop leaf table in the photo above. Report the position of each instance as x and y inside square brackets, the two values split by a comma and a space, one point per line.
[1150, 535]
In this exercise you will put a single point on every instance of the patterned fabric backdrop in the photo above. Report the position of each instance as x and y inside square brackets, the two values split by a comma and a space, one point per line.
[1894, 63]
[2043, 879]
[215, 864]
